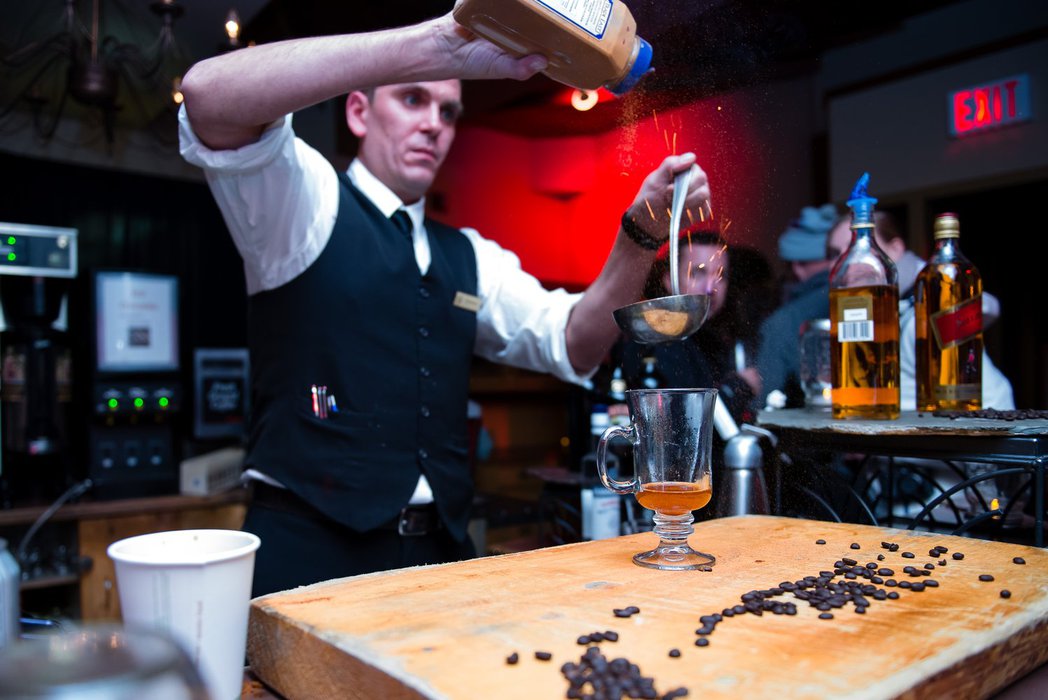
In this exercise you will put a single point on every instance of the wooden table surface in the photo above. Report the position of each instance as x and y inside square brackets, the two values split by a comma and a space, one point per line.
[445, 631]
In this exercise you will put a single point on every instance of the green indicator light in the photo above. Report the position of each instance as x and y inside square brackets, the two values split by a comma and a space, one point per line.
[11, 257]
[11, 240]
[139, 403]
[113, 403]
[163, 402]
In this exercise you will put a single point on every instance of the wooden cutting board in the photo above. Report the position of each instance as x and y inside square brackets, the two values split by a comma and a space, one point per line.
[446, 631]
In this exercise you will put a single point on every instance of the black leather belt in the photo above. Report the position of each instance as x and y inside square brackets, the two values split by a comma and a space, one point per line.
[412, 521]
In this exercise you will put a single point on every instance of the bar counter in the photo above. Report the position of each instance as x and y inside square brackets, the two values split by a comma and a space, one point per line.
[447, 631]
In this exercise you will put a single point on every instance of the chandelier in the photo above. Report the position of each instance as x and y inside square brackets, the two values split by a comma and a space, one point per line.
[109, 66]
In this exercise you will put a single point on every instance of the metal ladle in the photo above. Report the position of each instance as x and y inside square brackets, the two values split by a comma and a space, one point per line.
[674, 317]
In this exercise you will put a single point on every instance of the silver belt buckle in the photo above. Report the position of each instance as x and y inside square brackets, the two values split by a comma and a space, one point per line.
[402, 524]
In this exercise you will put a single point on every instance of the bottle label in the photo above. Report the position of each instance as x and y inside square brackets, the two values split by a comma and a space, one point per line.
[589, 15]
[959, 323]
[854, 319]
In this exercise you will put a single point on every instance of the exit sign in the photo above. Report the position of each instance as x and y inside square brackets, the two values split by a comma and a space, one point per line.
[976, 109]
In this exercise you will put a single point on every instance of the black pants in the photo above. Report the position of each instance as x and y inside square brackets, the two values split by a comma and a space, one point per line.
[300, 546]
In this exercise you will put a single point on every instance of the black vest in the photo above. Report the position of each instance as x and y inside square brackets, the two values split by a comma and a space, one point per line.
[395, 352]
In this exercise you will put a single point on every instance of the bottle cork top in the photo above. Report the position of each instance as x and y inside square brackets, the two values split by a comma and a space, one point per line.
[947, 226]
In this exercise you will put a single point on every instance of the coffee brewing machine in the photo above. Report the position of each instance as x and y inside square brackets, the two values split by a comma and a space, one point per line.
[36, 266]
[135, 391]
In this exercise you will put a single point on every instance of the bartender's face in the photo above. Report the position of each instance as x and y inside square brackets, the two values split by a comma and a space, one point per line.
[405, 132]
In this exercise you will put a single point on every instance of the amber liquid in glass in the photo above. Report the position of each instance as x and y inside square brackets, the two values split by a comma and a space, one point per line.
[949, 370]
[866, 372]
[675, 497]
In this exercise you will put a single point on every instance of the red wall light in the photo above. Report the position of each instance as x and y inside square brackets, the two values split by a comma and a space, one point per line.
[976, 109]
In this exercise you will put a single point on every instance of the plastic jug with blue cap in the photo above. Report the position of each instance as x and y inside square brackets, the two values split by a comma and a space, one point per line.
[588, 43]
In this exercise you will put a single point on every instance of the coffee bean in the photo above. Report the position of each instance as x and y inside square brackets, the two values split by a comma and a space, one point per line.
[931, 583]
[849, 562]
[543, 655]
[1018, 560]
[942, 550]
[892, 595]
[985, 577]
[1006, 593]
[826, 616]
[855, 545]
[929, 566]
[611, 636]
[619, 612]
[880, 557]
[512, 658]
[958, 556]
[820, 541]
[942, 562]
[905, 584]
[917, 587]
[702, 642]
[907, 555]
[885, 572]
[893, 548]
[584, 639]
[674, 653]
[633, 610]
[933, 552]
[891, 582]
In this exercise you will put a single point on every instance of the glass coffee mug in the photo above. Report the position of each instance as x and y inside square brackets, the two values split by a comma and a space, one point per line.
[671, 431]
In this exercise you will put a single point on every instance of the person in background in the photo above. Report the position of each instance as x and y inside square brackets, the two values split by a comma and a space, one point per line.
[996, 389]
[803, 246]
[364, 314]
[739, 283]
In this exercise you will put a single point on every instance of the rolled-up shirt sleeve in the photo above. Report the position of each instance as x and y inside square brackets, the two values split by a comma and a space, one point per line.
[520, 323]
[278, 197]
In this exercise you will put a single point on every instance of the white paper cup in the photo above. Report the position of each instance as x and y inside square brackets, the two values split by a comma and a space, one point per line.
[195, 585]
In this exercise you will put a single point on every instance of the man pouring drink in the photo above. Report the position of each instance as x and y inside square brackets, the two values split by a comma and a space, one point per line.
[353, 288]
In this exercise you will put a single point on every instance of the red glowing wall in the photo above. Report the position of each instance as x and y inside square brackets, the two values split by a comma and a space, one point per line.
[556, 202]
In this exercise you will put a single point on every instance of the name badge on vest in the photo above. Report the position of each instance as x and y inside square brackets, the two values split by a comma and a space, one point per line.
[469, 302]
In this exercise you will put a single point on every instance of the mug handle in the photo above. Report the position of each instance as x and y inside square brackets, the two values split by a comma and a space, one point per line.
[622, 487]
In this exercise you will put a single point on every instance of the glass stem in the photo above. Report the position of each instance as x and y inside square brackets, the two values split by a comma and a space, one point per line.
[673, 530]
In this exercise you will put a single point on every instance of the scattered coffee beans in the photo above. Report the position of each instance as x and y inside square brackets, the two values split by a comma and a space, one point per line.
[958, 556]
[1018, 560]
[674, 653]
[985, 577]
[820, 541]
[855, 545]
[1006, 593]
[543, 655]
[907, 555]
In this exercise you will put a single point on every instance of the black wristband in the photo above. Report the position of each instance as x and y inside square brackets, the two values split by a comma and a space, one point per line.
[639, 235]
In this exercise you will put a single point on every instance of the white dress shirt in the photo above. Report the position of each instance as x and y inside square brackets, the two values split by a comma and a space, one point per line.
[279, 198]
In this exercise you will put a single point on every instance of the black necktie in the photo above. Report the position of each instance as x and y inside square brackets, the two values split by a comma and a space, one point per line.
[402, 221]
